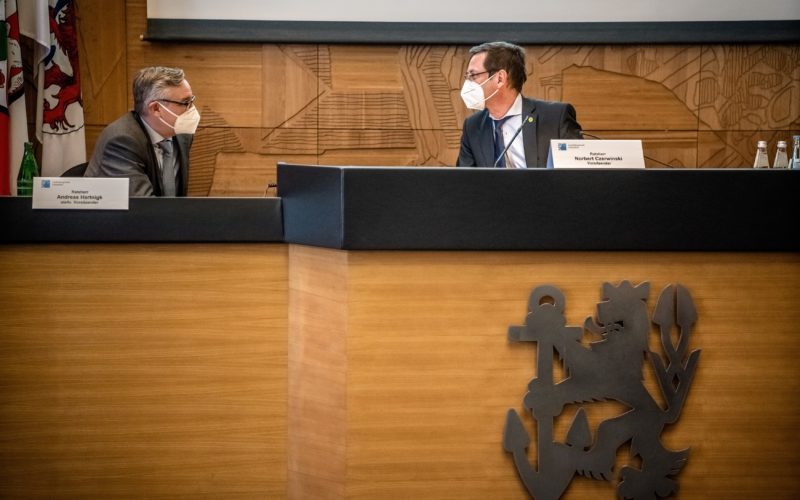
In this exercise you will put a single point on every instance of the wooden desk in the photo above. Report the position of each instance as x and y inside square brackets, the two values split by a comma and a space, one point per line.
[141, 368]
[183, 349]
[400, 370]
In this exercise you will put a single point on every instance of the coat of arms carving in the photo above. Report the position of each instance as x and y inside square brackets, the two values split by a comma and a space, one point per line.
[608, 368]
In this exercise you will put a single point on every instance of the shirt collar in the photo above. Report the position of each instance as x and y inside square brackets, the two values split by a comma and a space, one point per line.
[155, 137]
[515, 109]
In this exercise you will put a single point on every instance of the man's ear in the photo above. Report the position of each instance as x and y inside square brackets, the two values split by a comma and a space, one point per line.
[152, 107]
[502, 78]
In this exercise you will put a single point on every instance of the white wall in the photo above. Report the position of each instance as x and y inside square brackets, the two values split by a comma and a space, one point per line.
[477, 10]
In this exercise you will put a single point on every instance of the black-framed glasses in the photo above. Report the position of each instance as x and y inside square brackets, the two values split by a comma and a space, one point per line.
[188, 102]
[471, 76]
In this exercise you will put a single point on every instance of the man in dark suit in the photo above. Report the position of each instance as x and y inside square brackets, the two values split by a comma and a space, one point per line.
[150, 145]
[493, 86]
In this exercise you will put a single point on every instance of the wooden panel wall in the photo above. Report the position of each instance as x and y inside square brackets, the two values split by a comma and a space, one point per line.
[143, 371]
[429, 374]
[693, 105]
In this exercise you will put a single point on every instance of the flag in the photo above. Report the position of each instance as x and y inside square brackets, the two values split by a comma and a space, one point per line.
[5, 119]
[13, 113]
[59, 111]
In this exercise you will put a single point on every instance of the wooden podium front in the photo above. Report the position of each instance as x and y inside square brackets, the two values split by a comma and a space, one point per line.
[350, 340]
[143, 352]
[400, 368]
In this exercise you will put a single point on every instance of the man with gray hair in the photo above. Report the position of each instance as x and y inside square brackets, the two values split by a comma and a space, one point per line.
[509, 130]
[150, 145]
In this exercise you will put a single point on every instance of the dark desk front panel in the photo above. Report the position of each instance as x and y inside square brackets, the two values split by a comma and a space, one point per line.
[188, 220]
[492, 209]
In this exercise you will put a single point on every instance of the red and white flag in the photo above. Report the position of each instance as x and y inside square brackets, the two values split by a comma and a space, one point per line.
[59, 114]
[13, 114]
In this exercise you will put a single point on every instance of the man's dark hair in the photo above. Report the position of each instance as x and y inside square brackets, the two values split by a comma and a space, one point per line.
[504, 55]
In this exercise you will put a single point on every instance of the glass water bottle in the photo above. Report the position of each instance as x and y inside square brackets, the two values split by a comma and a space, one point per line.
[28, 169]
[761, 156]
[781, 160]
[795, 163]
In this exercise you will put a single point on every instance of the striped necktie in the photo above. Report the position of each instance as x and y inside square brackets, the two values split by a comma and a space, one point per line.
[499, 143]
[168, 167]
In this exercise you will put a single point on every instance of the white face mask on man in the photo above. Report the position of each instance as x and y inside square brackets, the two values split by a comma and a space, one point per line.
[185, 123]
[472, 94]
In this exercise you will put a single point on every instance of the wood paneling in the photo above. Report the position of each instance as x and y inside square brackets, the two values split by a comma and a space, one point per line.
[661, 149]
[103, 58]
[291, 86]
[736, 148]
[430, 373]
[161, 370]
[750, 87]
[363, 67]
[587, 89]
[317, 374]
[143, 371]
[400, 104]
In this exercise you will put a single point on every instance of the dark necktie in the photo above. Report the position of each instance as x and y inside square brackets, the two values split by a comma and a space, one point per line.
[168, 170]
[499, 143]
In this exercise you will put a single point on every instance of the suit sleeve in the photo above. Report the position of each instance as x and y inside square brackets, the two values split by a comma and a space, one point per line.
[122, 157]
[569, 128]
[465, 155]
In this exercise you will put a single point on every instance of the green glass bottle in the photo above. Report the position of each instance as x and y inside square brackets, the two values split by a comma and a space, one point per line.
[28, 169]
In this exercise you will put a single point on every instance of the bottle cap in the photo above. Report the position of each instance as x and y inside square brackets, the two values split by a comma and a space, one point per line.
[762, 144]
[781, 144]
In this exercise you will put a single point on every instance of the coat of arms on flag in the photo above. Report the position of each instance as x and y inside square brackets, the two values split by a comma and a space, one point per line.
[62, 87]
[59, 115]
[52, 25]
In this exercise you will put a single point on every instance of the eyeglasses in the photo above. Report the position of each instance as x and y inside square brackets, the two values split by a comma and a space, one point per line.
[188, 102]
[471, 76]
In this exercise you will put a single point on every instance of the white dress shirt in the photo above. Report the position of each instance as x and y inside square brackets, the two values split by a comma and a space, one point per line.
[515, 156]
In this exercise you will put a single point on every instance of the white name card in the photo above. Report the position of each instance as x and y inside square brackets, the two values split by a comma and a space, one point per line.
[580, 153]
[82, 193]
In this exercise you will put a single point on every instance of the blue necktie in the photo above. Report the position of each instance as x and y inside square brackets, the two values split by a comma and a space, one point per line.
[499, 143]
[168, 170]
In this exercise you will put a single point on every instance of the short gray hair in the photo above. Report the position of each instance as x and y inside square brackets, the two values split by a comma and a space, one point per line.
[150, 84]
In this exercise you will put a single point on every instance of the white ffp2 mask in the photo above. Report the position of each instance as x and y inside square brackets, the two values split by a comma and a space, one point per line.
[472, 94]
[185, 123]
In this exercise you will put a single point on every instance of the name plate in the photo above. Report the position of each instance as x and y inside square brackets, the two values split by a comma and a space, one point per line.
[580, 153]
[82, 193]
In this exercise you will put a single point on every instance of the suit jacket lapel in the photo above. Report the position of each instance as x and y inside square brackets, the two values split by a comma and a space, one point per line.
[182, 143]
[153, 172]
[486, 145]
[530, 133]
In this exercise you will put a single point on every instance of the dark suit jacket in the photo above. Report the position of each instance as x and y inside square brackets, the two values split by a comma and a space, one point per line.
[551, 120]
[124, 150]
